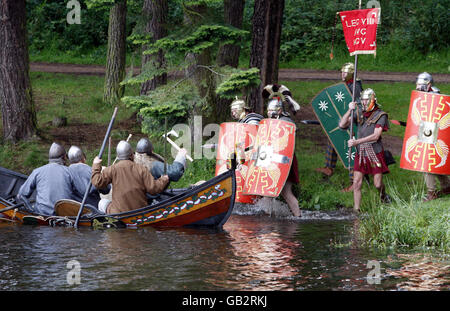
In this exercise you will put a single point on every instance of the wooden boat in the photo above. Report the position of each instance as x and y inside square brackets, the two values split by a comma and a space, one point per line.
[209, 204]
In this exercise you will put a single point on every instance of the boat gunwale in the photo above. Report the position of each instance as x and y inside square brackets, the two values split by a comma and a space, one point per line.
[178, 197]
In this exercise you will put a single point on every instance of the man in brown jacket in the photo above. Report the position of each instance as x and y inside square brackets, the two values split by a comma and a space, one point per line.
[130, 181]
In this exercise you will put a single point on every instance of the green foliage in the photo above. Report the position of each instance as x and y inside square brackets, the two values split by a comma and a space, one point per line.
[173, 101]
[412, 25]
[204, 37]
[238, 82]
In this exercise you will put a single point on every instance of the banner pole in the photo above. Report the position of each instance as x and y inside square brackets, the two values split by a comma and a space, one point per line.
[353, 99]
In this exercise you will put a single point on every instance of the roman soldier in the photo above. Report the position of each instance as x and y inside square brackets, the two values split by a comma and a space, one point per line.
[242, 112]
[424, 83]
[347, 72]
[275, 111]
[369, 159]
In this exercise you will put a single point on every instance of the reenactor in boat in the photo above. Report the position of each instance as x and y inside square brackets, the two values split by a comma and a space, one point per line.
[155, 163]
[130, 181]
[52, 182]
[275, 111]
[81, 174]
[347, 72]
[424, 83]
[369, 158]
[242, 112]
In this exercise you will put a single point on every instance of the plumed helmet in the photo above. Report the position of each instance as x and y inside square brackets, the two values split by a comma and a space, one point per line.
[75, 154]
[124, 150]
[144, 146]
[283, 93]
[274, 107]
[56, 151]
[423, 79]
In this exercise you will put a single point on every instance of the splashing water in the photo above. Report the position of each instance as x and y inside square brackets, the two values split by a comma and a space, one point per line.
[278, 209]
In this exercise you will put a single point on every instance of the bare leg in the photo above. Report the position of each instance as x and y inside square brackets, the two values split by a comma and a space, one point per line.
[291, 199]
[357, 183]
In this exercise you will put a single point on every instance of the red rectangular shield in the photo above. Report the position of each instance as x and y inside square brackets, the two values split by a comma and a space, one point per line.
[427, 134]
[239, 138]
[271, 159]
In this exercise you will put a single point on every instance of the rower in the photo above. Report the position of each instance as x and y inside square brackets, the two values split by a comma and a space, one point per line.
[144, 155]
[131, 181]
[52, 182]
[81, 174]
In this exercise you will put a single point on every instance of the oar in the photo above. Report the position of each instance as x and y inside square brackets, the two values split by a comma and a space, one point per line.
[80, 211]
[8, 208]
[165, 146]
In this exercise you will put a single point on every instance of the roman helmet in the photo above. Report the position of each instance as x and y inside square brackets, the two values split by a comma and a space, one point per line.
[370, 95]
[144, 146]
[239, 106]
[274, 108]
[124, 150]
[56, 152]
[424, 82]
[347, 70]
[75, 154]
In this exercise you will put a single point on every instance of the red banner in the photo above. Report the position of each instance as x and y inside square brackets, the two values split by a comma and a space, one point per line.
[360, 30]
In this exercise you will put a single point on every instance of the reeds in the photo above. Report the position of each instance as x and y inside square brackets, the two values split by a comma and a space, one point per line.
[407, 222]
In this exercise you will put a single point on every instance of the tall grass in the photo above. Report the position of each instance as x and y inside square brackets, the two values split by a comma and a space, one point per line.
[407, 222]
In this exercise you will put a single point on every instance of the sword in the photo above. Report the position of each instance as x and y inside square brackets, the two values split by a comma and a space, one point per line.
[397, 122]
[315, 122]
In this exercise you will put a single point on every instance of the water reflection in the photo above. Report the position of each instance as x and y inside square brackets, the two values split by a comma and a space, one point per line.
[421, 272]
[261, 257]
[252, 252]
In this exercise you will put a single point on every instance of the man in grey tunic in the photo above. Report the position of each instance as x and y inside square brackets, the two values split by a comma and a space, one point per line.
[81, 174]
[144, 155]
[52, 182]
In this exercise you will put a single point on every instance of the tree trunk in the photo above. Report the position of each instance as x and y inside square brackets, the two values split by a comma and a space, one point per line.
[233, 13]
[115, 57]
[155, 11]
[18, 114]
[228, 54]
[266, 38]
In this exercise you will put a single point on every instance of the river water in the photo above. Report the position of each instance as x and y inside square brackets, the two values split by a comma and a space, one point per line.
[257, 249]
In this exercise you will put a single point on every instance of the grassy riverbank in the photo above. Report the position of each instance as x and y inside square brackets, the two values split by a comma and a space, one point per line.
[405, 222]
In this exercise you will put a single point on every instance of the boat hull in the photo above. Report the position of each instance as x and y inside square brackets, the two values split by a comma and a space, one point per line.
[209, 204]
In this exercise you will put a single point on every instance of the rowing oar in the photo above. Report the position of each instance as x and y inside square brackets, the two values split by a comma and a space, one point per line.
[88, 189]
[165, 146]
[12, 207]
